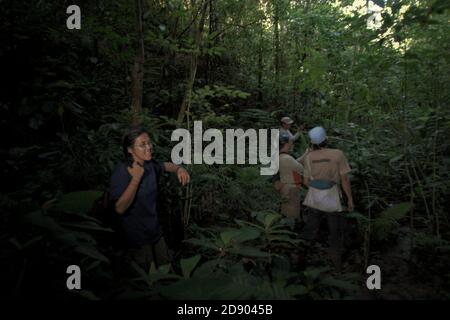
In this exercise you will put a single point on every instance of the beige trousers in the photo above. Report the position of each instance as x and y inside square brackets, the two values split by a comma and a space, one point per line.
[290, 201]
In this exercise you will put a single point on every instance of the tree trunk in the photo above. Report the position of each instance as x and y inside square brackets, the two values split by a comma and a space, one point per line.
[260, 64]
[276, 21]
[137, 76]
[198, 31]
[209, 62]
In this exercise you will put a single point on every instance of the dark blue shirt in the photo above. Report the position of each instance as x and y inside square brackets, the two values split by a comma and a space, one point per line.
[139, 223]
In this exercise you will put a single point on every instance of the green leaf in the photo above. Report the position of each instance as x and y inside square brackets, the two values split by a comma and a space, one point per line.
[358, 216]
[341, 284]
[206, 268]
[187, 265]
[87, 226]
[91, 252]
[202, 243]
[243, 223]
[398, 211]
[313, 273]
[296, 290]
[87, 294]
[395, 159]
[239, 235]
[249, 252]
[39, 219]
[270, 219]
[144, 276]
[78, 202]
[284, 239]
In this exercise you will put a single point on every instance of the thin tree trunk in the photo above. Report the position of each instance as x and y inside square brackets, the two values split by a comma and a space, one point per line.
[276, 21]
[260, 64]
[198, 31]
[137, 76]
[209, 62]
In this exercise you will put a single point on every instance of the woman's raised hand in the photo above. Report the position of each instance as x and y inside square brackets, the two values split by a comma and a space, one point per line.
[136, 171]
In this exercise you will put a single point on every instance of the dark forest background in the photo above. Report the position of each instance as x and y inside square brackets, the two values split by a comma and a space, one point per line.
[381, 91]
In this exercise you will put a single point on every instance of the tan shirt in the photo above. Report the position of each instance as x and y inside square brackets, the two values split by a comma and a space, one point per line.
[290, 169]
[327, 164]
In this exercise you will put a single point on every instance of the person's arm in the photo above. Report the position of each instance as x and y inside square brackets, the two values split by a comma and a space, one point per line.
[306, 181]
[296, 136]
[182, 174]
[306, 169]
[301, 159]
[344, 169]
[127, 197]
[297, 172]
[348, 191]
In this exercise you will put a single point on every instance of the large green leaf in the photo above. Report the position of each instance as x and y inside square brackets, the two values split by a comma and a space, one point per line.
[249, 252]
[388, 219]
[239, 235]
[38, 218]
[270, 219]
[211, 287]
[312, 273]
[78, 202]
[296, 290]
[398, 211]
[87, 226]
[203, 243]
[358, 216]
[341, 284]
[187, 265]
[207, 268]
[91, 252]
[232, 286]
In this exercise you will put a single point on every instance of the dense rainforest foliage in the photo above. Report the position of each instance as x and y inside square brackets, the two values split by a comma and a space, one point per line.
[381, 90]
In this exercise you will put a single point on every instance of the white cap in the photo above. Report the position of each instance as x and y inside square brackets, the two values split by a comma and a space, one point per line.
[317, 135]
[287, 120]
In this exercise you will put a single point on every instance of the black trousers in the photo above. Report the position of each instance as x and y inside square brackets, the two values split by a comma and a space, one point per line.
[157, 253]
[336, 226]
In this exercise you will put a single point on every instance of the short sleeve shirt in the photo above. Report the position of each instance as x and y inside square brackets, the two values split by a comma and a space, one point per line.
[326, 164]
[139, 223]
[289, 133]
[290, 169]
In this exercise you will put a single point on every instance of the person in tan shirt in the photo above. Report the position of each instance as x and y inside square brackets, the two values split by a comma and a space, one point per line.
[289, 183]
[327, 166]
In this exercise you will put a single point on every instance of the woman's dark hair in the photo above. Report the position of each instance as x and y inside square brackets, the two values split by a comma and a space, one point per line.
[128, 140]
[323, 144]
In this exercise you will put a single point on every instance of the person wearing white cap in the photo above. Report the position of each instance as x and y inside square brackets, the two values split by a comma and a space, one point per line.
[325, 169]
[286, 123]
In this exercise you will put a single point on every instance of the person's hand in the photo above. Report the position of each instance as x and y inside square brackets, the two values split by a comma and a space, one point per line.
[183, 176]
[350, 205]
[136, 171]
